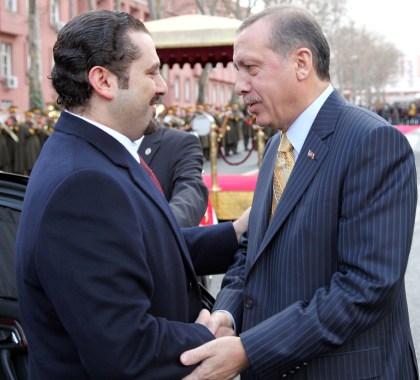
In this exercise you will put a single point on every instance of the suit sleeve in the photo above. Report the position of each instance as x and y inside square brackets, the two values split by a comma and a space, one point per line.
[189, 193]
[212, 248]
[95, 271]
[375, 228]
[231, 298]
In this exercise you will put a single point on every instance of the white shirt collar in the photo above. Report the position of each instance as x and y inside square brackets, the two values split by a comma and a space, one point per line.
[300, 128]
[131, 146]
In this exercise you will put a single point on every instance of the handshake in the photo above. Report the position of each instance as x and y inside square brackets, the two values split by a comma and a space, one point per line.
[222, 358]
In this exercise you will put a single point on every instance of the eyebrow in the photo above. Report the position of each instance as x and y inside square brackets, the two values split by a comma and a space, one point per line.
[154, 67]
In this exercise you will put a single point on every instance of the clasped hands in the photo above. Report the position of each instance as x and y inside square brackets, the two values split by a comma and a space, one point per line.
[222, 358]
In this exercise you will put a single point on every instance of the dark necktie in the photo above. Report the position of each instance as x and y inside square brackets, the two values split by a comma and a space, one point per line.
[151, 174]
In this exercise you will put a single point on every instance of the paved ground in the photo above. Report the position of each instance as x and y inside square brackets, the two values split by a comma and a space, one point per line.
[413, 269]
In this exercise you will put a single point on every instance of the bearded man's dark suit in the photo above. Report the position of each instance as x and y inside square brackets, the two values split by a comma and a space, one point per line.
[104, 275]
[319, 294]
[176, 158]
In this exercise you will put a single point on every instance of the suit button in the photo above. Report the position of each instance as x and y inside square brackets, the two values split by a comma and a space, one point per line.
[189, 285]
[249, 303]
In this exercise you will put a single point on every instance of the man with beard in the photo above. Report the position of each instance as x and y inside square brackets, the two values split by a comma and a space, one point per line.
[105, 276]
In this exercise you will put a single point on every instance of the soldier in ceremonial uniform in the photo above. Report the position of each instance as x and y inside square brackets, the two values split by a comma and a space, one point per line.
[33, 142]
[188, 116]
[16, 142]
[4, 149]
[51, 116]
[42, 127]
[172, 118]
[204, 139]
[236, 118]
[229, 131]
[249, 130]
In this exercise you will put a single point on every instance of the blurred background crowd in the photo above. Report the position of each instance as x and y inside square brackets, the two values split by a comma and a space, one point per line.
[22, 134]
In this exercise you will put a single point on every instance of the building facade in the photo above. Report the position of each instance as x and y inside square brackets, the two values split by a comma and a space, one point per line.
[15, 59]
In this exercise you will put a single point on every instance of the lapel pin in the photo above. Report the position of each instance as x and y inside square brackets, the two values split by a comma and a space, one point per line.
[311, 154]
[148, 151]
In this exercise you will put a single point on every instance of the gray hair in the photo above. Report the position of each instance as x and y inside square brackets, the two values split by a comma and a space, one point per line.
[293, 28]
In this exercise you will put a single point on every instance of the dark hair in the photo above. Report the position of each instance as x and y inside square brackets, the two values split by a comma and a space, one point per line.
[97, 38]
[292, 28]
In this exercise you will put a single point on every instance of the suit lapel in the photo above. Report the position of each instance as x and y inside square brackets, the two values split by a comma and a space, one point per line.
[150, 145]
[115, 152]
[141, 178]
[306, 167]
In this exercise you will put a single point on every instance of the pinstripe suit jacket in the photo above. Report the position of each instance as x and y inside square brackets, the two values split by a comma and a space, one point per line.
[318, 292]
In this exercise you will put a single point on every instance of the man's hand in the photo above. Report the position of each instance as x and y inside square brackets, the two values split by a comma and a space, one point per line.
[203, 318]
[222, 358]
[241, 224]
[220, 324]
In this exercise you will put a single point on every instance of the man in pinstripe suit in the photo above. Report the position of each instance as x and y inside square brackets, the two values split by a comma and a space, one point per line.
[317, 292]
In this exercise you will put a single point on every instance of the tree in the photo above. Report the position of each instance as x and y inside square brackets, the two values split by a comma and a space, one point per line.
[92, 5]
[363, 64]
[155, 9]
[36, 99]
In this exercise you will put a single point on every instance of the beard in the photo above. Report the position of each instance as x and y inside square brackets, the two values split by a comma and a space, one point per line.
[151, 128]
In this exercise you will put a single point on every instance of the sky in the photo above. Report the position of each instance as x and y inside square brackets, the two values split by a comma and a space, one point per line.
[397, 21]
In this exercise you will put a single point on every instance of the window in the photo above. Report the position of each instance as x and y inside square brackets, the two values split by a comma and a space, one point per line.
[55, 15]
[196, 90]
[177, 89]
[5, 59]
[54, 11]
[5, 104]
[11, 5]
[222, 95]
[187, 90]
[214, 93]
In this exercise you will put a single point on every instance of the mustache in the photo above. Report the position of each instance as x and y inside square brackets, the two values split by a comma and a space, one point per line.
[251, 99]
[155, 100]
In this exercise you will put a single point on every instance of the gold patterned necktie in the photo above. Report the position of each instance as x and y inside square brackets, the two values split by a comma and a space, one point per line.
[284, 166]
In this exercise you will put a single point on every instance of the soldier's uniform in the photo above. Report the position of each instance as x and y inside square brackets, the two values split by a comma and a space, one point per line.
[173, 118]
[41, 125]
[204, 139]
[16, 148]
[188, 116]
[248, 131]
[235, 122]
[231, 131]
[33, 142]
[51, 116]
[4, 149]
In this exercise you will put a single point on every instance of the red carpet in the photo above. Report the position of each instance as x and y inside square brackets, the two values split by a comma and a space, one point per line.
[232, 182]
[407, 128]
